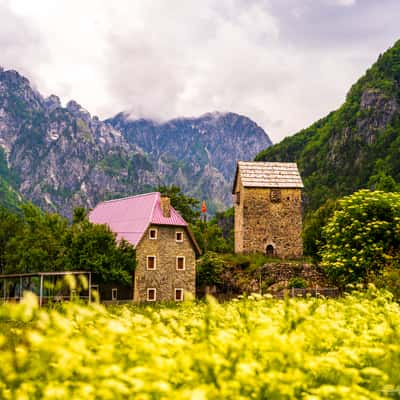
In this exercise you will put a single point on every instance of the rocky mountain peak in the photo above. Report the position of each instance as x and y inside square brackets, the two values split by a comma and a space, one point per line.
[52, 102]
[76, 109]
[15, 88]
[14, 77]
[62, 157]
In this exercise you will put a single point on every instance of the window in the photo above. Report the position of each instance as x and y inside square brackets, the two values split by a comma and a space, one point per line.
[153, 234]
[180, 263]
[114, 294]
[151, 294]
[151, 262]
[275, 195]
[178, 294]
[179, 236]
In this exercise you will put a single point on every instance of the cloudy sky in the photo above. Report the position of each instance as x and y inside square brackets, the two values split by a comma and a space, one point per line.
[283, 63]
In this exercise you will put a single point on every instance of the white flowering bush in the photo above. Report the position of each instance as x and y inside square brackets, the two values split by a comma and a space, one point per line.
[362, 237]
[252, 348]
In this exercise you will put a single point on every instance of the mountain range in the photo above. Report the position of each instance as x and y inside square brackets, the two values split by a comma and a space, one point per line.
[62, 157]
[356, 146]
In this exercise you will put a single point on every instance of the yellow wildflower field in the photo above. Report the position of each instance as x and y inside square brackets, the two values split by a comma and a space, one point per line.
[252, 348]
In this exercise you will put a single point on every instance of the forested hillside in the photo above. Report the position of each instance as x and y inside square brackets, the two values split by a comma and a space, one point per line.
[9, 197]
[356, 146]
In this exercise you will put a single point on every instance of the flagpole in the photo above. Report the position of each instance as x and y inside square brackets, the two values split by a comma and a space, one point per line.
[204, 211]
[204, 218]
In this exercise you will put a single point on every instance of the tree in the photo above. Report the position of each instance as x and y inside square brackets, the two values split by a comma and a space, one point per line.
[313, 224]
[10, 224]
[38, 241]
[384, 182]
[92, 247]
[209, 237]
[362, 237]
[209, 270]
[37, 245]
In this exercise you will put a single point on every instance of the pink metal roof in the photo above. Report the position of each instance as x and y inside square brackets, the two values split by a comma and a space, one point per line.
[130, 217]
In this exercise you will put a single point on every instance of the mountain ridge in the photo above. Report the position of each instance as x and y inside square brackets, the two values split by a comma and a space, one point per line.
[64, 157]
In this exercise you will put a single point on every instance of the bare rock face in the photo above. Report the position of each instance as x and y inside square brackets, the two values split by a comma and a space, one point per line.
[197, 154]
[377, 111]
[63, 157]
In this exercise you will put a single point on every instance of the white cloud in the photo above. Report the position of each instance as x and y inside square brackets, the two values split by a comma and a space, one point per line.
[284, 63]
[345, 3]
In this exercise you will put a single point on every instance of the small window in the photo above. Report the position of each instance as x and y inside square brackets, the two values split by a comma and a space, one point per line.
[151, 294]
[179, 294]
[151, 262]
[114, 294]
[180, 263]
[275, 195]
[153, 234]
[179, 236]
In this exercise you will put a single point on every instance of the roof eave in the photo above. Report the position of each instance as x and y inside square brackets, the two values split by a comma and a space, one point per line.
[273, 187]
[194, 242]
[236, 175]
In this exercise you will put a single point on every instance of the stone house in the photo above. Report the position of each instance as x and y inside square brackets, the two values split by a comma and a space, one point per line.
[268, 209]
[165, 247]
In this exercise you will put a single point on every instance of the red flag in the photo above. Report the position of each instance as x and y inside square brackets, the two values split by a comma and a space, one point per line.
[204, 207]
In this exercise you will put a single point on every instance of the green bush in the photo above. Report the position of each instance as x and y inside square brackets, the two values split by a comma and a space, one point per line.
[297, 282]
[362, 237]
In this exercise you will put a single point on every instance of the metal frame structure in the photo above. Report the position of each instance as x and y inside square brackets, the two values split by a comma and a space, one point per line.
[42, 276]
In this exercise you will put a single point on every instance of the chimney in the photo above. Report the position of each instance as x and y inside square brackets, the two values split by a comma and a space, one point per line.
[165, 206]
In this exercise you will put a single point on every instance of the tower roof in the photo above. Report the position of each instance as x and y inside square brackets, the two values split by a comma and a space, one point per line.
[268, 175]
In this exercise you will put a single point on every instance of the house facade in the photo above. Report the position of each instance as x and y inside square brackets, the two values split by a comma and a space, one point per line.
[268, 209]
[165, 247]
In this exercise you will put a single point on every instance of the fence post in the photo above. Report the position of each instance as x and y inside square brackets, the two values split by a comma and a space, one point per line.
[90, 287]
[41, 291]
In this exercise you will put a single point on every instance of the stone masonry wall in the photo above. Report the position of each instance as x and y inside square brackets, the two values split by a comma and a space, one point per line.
[238, 229]
[283, 272]
[165, 278]
[265, 222]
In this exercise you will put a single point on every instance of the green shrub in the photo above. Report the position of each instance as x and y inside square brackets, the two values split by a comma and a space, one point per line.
[297, 282]
[362, 237]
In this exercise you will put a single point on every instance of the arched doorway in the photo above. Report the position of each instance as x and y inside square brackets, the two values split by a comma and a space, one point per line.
[270, 251]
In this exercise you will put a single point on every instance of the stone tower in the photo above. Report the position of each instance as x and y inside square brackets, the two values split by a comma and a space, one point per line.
[268, 209]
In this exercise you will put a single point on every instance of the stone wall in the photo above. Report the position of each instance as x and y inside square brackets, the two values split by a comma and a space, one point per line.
[165, 278]
[269, 278]
[279, 274]
[269, 217]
